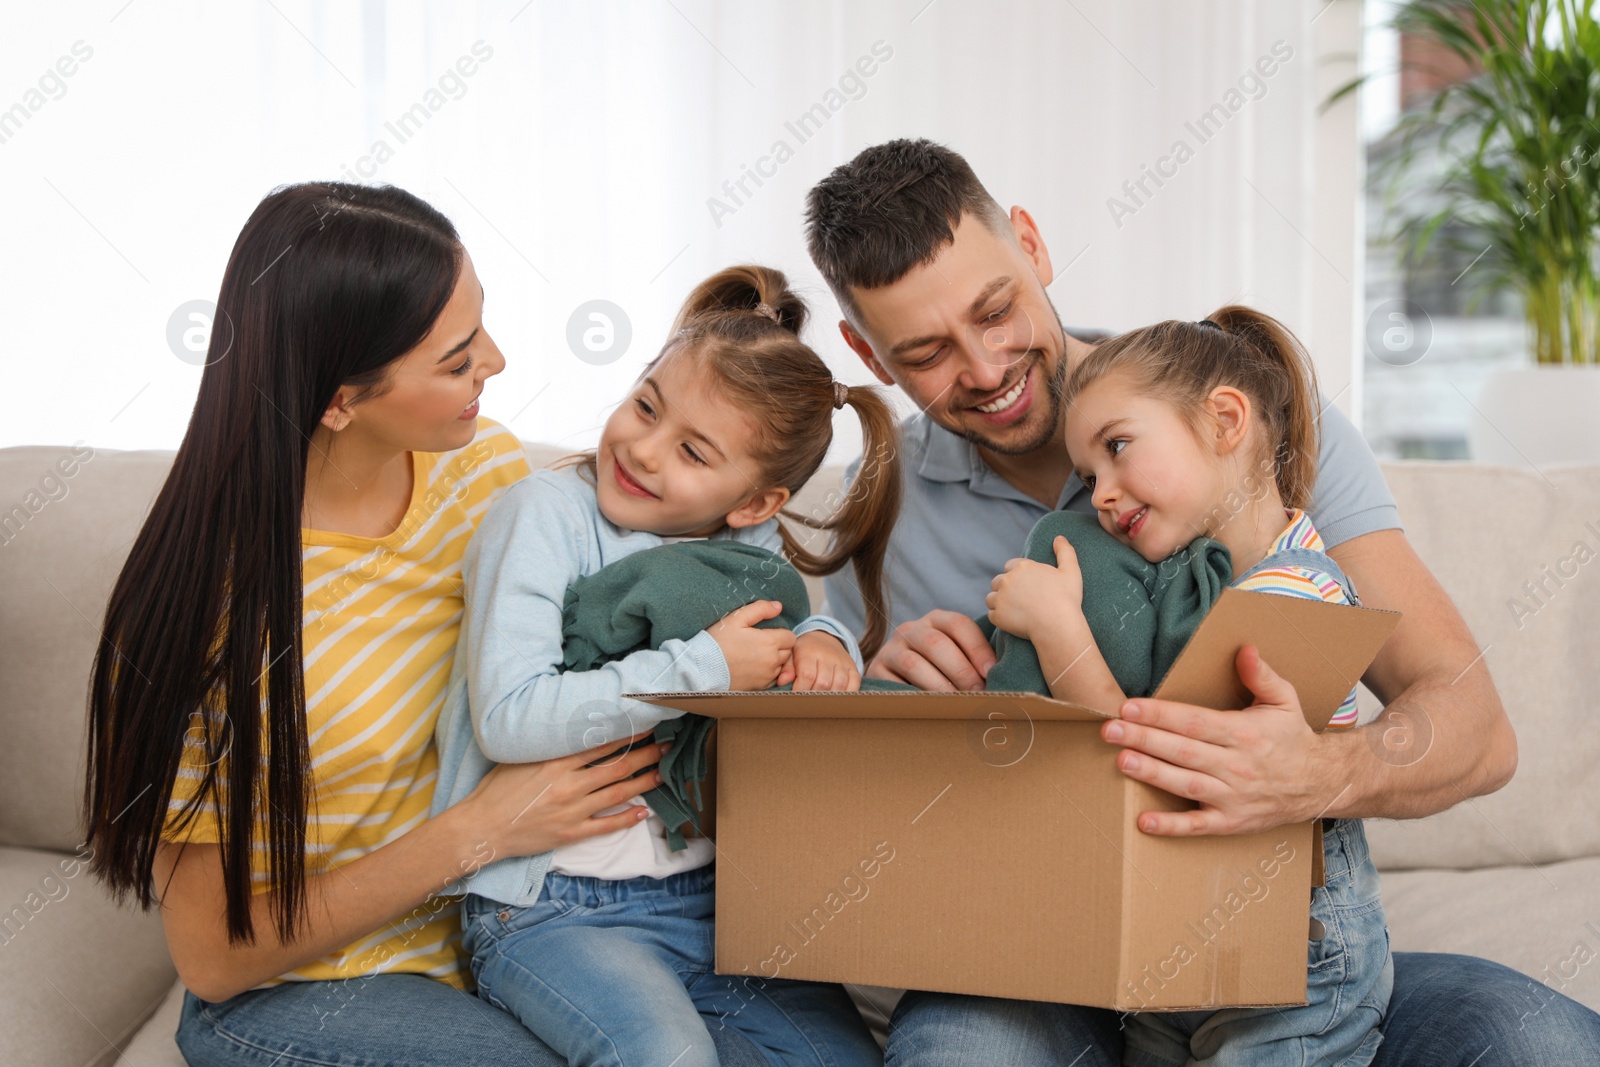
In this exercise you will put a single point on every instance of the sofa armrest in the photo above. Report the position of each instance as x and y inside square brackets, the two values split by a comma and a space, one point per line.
[80, 975]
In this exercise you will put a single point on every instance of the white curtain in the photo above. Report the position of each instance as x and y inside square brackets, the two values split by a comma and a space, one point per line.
[623, 151]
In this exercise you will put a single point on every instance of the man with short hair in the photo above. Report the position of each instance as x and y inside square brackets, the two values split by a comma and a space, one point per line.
[943, 294]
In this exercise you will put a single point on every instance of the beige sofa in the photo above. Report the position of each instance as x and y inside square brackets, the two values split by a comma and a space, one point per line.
[1514, 877]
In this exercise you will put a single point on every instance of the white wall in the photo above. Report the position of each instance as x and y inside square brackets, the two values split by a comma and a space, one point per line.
[579, 159]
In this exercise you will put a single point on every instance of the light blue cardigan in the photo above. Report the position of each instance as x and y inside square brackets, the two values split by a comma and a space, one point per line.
[508, 700]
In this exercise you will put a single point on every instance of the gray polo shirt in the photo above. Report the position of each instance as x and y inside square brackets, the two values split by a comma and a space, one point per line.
[960, 521]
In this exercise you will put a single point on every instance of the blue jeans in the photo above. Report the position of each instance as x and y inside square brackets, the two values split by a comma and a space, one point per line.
[1446, 1011]
[389, 1020]
[618, 973]
[1349, 976]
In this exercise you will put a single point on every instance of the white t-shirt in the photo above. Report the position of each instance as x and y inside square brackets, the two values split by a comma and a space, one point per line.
[636, 852]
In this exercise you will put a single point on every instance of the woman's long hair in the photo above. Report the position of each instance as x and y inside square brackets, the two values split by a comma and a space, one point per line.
[199, 662]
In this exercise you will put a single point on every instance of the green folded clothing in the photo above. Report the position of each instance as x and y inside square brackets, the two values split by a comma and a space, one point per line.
[672, 592]
[1141, 614]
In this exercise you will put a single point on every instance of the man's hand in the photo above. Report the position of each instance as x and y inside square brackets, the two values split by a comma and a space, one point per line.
[943, 651]
[1029, 595]
[1250, 770]
[822, 662]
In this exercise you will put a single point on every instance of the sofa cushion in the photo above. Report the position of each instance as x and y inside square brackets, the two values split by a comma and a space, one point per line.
[1541, 921]
[154, 1044]
[62, 543]
[80, 974]
[1492, 536]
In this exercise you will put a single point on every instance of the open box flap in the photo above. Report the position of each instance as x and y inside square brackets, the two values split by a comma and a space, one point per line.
[873, 704]
[1319, 648]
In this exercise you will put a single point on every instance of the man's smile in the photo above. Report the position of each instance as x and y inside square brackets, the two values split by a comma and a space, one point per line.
[1012, 404]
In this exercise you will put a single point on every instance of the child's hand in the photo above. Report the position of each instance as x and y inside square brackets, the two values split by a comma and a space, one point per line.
[755, 657]
[1030, 594]
[822, 662]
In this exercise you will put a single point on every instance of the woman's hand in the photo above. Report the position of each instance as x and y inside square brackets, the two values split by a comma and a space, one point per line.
[821, 662]
[520, 809]
[1030, 594]
[756, 658]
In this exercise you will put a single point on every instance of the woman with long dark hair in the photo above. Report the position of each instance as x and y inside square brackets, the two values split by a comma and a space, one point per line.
[280, 640]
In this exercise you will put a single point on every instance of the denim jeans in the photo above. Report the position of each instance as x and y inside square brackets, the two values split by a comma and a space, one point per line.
[1446, 1011]
[389, 1020]
[1349, 976]
[618, 973]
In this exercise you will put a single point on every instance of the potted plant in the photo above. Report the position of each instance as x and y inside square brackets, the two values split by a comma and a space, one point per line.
[1511, 157]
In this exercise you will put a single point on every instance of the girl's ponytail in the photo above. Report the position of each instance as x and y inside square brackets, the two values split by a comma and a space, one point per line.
[1292, 409]
[863, 521]
[731, 293]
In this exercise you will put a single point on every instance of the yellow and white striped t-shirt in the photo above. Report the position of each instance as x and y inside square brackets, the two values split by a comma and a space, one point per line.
[381, 617]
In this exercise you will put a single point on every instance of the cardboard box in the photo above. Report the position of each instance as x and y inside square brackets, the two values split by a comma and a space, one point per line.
[986, 843]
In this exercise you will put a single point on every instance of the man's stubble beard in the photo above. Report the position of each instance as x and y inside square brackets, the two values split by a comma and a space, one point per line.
[1054, 388]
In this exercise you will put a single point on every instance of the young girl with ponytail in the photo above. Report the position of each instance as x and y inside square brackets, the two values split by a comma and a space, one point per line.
[603, 947]
[1185, 431]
